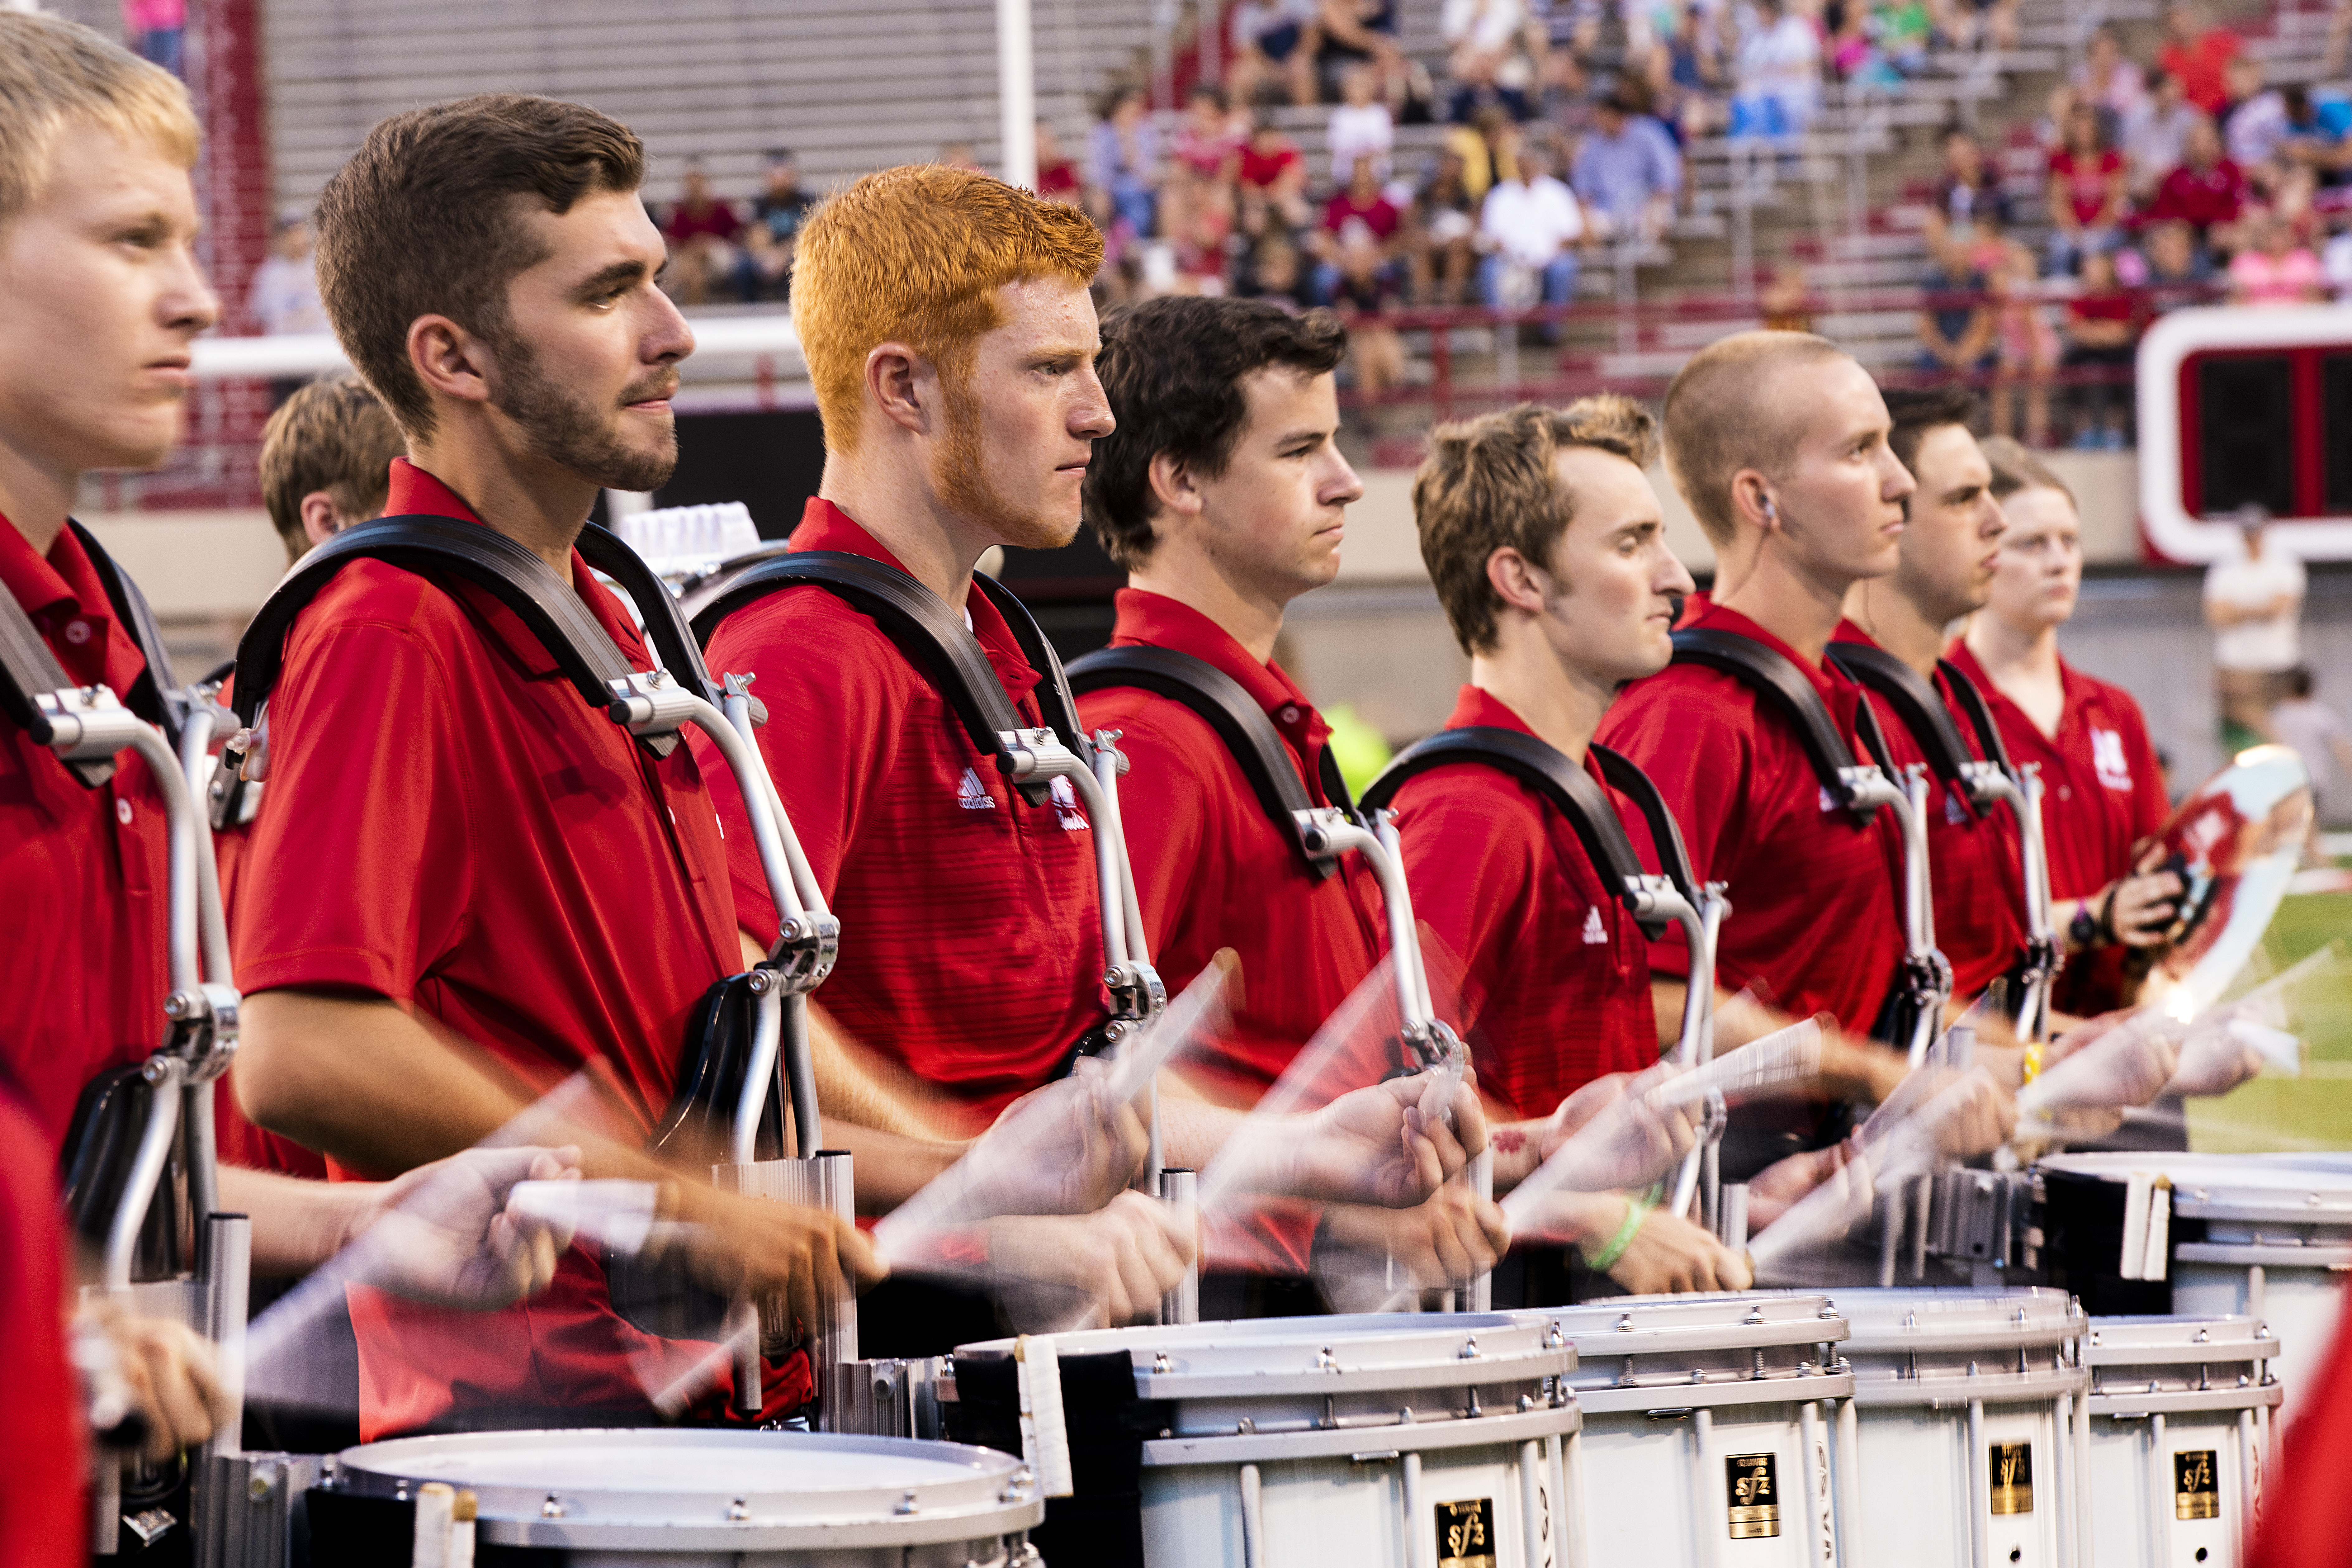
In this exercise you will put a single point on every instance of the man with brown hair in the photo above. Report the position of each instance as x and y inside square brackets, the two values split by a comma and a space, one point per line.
[469, 886]
[1545, 541]
[326, 462]
[1778, 443]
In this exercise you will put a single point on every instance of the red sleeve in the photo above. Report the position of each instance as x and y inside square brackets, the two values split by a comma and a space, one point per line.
[1698, 747]
[42, 1511]
[836, 691]
[1163, 801]
[358, 733]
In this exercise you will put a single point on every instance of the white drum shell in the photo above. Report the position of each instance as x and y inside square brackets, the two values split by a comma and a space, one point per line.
[1675, 1389]
[724, 1499]
[1345, 1439]
[2168, 1395]
[1931, 1365]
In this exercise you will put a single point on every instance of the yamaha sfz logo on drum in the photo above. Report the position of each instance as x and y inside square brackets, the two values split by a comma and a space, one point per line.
[2012, 1477]
[2196, 1490]
[1466, 1533]
[1751, 1484]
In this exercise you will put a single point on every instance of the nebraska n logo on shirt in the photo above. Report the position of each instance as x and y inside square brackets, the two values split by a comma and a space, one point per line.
[2107, 756]
[1595, 933]
[973, 795]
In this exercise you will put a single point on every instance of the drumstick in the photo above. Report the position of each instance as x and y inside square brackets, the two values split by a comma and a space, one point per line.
[1186, 1019]
[1793, 1052]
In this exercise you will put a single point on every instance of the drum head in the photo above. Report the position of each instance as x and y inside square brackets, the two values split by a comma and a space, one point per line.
[2236, 842]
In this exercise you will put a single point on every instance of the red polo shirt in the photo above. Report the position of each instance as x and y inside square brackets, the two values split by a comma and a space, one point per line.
[1815, 915]
[1556, 982]
[2102, 789]
[43, 1516]
[1212, 870]
[1972, 856]
[83, 948]
[970, 950]
[452, 827]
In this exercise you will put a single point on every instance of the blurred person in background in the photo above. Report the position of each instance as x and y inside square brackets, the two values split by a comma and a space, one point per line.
[283, 297]
[1358, 218]
[702, 231]
[1780, 75]
[326, 462]
[1628, 170]
[2109, 80]
[2207, 191]
[772, 236]
[1361, 126]
[2316, 732]
[158, 31]
[1441, 228]
[1123, 165]
[1970, 184]
[1529, 229]
[1353, 33]
[2273, 270]
[1687, 76]
[1273, 51]
[2199, 54]
[2102, 327]
[1207, 141]
[2155, 135]
[2167, 267]
[2253, 602]
[2256, 124]
[1057, 177]
[2085, 191]
[2026, 345]
[2105, 789]
[1956, 324]
[1366, 293]
[1274, 171]
[2318, 128]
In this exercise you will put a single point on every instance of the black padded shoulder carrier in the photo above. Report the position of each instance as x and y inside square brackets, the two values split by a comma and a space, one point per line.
[27, 668]
[1916, 703]
[549, 607]
[1771, 675]
[1226, 707]
[932, 636]
[1988, 741]
[1572, 792]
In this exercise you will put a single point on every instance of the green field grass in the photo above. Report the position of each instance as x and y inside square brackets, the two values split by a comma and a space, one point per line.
[2313, 1111]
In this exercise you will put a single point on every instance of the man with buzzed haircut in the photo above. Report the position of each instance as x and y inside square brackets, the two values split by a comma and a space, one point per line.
[1778, 443]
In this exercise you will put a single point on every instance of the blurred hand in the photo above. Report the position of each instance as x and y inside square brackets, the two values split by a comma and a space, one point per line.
[1670, 1256]
[1440, 1244]
[1377, 1145]
[442, 1233]
[169, 1371]
[2115, 1061]
[1116, 1263]
[1969, 1113]
[2221, 1054]
[2148, 902]
[1614, 1134]
[773, 1251]
[1067, 1149]
[1774, 1189]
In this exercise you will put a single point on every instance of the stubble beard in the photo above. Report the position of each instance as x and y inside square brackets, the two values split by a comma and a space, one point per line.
[572, 435]
[961, 475]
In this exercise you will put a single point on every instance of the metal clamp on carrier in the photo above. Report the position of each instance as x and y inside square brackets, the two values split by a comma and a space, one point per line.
[113, 1181]
[1673, 893]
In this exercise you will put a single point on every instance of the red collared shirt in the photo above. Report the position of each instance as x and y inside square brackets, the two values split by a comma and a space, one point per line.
[1815, 920]
[43, 1514]
[971, 949]
[83, 950]
[2103, 790]
[1212, 870]
[451, 827]
[1972, 855]
[1556, 975]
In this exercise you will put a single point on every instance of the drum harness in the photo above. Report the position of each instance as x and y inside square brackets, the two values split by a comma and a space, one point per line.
[1320, 835]
[748, 1024]
[1980, 784]
[111, 1177]
[1654, 899]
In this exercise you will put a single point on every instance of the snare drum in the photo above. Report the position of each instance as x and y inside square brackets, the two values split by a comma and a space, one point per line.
[2178, 1439]
[2267, 1236]
[1704, 1436]
[676, 1498]
[1381, 1441]
[1965, 1433]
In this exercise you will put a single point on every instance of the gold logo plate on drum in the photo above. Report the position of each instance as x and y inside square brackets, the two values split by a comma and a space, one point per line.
[2012, 1477]
[1466, 1533]
[2195, 1485]
[1749, 1481]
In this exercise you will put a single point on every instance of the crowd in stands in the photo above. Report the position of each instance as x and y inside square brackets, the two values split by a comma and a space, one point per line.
[2182, 178]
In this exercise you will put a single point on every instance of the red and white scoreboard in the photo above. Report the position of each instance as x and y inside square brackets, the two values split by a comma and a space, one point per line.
[2247, 404]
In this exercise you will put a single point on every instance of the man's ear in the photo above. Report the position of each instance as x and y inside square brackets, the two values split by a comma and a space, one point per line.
[322, 519]
[1516, 581]
[449, 359]
[1172, 486]
[903, 386]
[1752, 501]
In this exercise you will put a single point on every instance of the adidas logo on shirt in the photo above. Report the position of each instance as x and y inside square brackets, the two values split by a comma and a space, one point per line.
[1595, 934]
[973, 795]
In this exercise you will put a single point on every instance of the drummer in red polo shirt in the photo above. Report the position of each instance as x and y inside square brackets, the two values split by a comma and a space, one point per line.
[471, 887]
[1224, 493]
[1778, 443]
[1546, 546]
[951, 341]
[2102, 788]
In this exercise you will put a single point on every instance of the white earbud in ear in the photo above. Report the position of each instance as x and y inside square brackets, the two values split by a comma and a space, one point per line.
[1772, 511]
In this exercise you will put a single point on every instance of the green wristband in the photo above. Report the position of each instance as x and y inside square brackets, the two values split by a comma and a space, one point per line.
[1636, 1210]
